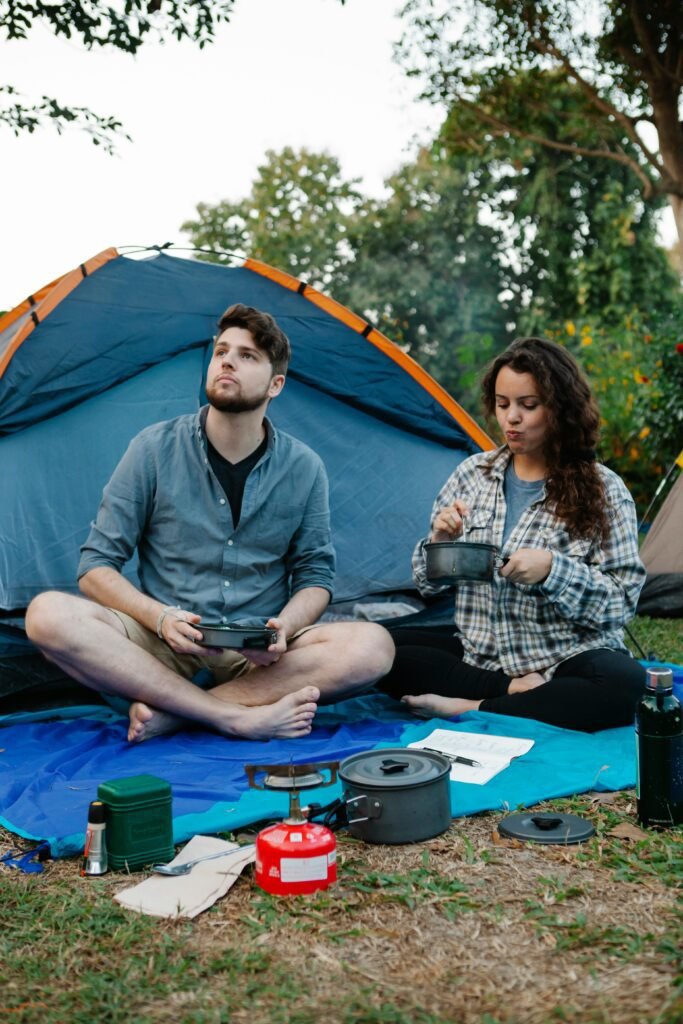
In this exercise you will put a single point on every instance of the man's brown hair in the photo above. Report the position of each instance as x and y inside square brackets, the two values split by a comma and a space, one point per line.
[268, 337]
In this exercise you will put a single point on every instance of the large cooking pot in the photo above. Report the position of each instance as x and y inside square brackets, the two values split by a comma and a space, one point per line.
[396, 795]
[461, 561]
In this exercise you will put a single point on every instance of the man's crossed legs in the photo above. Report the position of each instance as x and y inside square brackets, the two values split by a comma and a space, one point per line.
[92, 644]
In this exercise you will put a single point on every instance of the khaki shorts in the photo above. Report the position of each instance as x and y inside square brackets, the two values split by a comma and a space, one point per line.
[225, 666]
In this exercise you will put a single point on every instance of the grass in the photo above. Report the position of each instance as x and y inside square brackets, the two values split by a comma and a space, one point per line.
[661, 637]
[468, 928]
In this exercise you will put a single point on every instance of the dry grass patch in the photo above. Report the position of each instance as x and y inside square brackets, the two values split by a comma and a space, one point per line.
[466, 928]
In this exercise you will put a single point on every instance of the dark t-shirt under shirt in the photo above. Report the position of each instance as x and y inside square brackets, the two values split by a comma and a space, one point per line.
[233, 476]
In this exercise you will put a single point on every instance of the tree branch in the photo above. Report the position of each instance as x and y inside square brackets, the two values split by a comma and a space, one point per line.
[649, 187]
[646, 41]
[20, 117]
[628, 124]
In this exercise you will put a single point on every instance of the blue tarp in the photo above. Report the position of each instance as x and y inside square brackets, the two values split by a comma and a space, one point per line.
[50, 770]
[129, 346]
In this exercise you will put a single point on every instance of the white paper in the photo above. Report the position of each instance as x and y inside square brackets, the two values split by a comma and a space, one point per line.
[493, 753]
[188, 895]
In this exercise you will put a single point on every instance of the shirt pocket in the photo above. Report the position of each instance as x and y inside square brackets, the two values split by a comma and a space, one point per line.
[285, 520]
[559, 540]
[478, 525]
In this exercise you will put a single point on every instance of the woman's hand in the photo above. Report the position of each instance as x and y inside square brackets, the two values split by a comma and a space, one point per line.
[448, 523]
[528, 565]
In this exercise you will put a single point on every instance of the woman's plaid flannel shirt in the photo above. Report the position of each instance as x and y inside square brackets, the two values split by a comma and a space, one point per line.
[590, 593]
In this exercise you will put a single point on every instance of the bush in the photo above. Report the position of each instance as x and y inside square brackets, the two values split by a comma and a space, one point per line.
[636, 372]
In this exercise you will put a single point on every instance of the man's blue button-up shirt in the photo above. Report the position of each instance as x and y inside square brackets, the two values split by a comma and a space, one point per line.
[164, 499]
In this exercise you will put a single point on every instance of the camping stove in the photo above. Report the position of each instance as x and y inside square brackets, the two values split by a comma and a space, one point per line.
[294, 856]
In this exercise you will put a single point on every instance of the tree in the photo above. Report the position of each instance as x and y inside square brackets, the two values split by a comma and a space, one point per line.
[297, 217]
[98, 24]
[418, 264]
[428, 272]
[624, 56]
[581, 239]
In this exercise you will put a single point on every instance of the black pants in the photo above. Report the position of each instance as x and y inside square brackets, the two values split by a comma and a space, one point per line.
[594, 690]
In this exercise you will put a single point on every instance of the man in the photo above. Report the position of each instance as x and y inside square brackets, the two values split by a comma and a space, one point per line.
[230, 520]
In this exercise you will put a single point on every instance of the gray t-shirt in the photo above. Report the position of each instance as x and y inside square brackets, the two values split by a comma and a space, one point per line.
[519, 494]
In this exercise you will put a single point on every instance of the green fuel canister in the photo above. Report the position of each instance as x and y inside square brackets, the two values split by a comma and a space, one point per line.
[139, 825]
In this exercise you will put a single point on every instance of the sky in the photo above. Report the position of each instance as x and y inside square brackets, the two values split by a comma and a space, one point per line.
[300, 73]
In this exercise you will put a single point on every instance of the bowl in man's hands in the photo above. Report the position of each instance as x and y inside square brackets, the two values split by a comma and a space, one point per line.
[232, 635]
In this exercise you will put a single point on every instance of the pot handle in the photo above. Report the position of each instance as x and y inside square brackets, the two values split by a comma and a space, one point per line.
[369, 808]
[389, 766]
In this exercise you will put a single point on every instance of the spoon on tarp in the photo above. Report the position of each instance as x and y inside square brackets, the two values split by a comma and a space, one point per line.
[184, 869]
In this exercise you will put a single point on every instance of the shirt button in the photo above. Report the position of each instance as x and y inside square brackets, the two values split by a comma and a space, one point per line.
[226, 583]
[221, 501]
[230, 543]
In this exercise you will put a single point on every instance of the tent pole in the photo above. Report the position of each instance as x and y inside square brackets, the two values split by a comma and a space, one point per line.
[678, 461]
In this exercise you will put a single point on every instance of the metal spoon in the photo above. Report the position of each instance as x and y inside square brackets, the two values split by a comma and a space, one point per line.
[465, 525]
[184, 869]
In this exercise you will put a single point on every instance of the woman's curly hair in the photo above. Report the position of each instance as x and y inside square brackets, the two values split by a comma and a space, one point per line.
[574, 485]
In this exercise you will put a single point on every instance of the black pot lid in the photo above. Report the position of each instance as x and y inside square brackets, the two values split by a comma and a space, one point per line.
[393, 768]
[563, 829]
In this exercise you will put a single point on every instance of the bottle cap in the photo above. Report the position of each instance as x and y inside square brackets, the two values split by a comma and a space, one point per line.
[96, 813]
[659, 679]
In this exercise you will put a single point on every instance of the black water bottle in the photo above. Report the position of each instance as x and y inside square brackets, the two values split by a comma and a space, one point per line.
[659, 738]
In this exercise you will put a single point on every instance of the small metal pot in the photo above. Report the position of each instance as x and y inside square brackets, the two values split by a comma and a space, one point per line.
[396, 795]
[461, 561]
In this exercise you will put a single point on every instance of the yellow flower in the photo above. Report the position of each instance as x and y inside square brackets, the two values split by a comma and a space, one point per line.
[586, 340]
[570, 328]
[626, 355]
[586, 329]
[644, 432]
[633, 454]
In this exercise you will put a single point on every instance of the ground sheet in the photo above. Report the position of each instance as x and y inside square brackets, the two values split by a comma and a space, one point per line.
[50, 768]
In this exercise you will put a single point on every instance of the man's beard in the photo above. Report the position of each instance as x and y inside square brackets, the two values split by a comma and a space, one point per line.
[236, 403]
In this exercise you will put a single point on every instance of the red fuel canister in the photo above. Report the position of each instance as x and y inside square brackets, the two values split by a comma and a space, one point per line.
[294, 856]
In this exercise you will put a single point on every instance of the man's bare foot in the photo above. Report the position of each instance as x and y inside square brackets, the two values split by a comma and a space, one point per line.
[520, 684]
[145, 722]
[431, 705]
[288, 717]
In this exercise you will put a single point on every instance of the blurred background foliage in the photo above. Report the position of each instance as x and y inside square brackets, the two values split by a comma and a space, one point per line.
[535, 210]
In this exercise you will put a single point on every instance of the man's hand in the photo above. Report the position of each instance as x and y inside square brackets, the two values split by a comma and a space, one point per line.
[528, 565]
[448, 523]
[179, 630]
[272, 654]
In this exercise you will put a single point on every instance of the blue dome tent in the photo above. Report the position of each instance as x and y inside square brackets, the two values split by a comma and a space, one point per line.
[122, 342]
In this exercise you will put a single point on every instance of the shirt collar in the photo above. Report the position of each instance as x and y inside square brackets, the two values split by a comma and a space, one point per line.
[498, 461]
[271, 432]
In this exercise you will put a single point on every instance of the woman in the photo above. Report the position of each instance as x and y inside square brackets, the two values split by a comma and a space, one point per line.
[546, 639]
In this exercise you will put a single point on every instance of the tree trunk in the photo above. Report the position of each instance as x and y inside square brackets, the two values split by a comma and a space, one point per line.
[677, 207]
